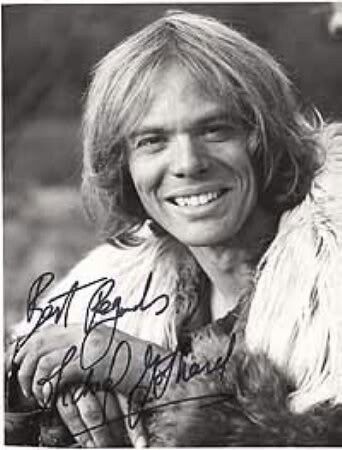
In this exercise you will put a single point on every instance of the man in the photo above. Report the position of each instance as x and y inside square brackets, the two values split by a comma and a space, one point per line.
[195, 154]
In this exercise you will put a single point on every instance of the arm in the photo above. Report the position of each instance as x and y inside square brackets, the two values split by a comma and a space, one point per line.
[128, 267]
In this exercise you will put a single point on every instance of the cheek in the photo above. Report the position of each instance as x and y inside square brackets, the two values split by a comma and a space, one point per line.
[248, 182]
[145, 176]
[241, 165]
[250, 185]
[250, 177]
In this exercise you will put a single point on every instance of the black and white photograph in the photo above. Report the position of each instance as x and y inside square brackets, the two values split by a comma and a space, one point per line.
[172, 224]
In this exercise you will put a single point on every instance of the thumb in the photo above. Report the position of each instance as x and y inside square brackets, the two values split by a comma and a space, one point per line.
[137, 435]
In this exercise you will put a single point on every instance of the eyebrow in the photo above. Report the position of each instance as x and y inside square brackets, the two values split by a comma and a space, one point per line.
[195, 124]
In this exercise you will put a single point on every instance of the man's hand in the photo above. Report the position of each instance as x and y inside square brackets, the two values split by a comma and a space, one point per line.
[55, 357]
[41, 358]
[96, 420]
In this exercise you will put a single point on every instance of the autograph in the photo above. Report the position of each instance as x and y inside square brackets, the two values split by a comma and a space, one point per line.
[104, 307]
[158, 371]
[103, 302]
[157, 374]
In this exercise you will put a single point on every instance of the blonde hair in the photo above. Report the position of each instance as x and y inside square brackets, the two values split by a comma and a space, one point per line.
[229, 67]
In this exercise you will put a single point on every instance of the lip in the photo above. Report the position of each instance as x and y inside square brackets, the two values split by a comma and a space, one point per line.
[188, 191]
[200, 211]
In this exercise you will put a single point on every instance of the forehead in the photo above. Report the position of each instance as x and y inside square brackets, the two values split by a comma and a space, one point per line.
[177, 98]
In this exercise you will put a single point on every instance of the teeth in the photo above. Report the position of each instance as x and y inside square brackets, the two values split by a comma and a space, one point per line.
[196, 200]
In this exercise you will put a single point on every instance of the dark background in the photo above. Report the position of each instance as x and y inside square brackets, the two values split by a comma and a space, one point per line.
[48, 52]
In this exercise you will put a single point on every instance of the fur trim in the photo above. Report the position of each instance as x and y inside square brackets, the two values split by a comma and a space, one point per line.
[296, 309]
[249, 406]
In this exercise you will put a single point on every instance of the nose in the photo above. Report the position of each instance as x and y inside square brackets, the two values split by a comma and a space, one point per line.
[188, 157]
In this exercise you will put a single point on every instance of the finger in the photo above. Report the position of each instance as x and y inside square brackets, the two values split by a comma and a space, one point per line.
[52, 337]
[26, 374]
[114, 416]
[100, 413]
[47, 374]
[35, 367]
[41, 343]
[93, 417]
[70, 374]
[130, 357]
[137, 434]
[71, 416]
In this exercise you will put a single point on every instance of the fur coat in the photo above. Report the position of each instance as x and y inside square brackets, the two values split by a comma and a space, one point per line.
[297, 287]
[247, 405]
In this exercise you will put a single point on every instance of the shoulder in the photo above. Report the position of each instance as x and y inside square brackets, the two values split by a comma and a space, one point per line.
[331, 135]
[109, 260]
[128, 266]
[326, 192]
[330, 139]
[151, 267]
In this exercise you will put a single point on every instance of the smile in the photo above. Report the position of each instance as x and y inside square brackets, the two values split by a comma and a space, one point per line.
[197, 200]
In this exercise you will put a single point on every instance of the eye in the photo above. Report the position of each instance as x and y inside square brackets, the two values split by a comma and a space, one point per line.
[153, 142]
[217, 132]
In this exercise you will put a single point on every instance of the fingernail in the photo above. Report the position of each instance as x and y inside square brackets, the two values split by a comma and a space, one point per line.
[140, 442]
[47, 394]
[25, 392]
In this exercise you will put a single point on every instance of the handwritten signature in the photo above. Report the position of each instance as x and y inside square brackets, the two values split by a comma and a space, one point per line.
[161, 370]
[104, 306]
[158, 373]
[103, 303]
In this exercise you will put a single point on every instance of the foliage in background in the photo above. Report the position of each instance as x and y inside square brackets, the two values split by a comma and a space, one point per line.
[49, 49]
[44, 231]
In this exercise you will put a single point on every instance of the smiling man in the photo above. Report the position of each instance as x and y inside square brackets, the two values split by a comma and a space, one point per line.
[189, 162]
[200, 168]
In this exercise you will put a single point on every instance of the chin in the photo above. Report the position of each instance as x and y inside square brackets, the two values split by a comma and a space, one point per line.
[201, 239]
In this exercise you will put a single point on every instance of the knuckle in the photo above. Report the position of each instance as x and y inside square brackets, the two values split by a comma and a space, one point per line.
[46, 363]
[134, 433]
[101, 396]
[87, 397]
[113, 410]
[35, 345]
[23, 376]
[96, 342]
[63, 404]
[36, 390]
[93, 415]
[69, 412]
[39, 341]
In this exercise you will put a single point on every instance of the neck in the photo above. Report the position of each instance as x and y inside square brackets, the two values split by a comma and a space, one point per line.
[231, 265]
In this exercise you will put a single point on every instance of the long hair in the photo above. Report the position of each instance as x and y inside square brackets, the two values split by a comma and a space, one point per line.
[230, 68]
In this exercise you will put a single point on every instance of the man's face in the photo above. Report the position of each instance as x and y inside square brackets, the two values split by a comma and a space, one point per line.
[190, 165]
